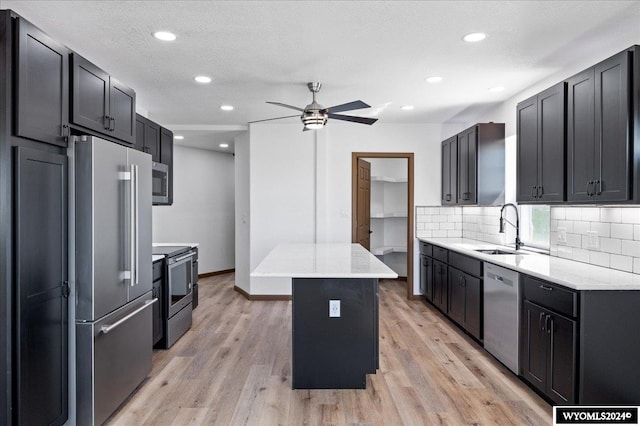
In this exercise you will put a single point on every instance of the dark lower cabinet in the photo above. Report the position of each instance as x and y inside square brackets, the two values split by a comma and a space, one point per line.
[158, 307]
[440, 285]
[465, 301]
[426, 277]
[549, 355]
[42, 86]
[41, 287]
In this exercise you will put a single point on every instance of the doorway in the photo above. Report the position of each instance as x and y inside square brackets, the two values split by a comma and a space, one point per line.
[362, 224]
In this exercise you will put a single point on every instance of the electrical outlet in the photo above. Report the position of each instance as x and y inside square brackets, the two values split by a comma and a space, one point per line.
[334, 309]
[562, 235]
[592, 239]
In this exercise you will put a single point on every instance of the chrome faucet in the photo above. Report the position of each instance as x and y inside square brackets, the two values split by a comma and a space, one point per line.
[517, 225]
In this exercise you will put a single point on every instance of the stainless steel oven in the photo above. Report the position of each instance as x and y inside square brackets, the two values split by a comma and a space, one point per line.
[180, 281]
[160, 183]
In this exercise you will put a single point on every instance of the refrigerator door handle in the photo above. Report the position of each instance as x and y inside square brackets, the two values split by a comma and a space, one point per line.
[107, 328]
[136, 214]
[132, 226]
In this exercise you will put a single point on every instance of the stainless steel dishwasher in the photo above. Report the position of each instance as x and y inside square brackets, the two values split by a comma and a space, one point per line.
[501, 314]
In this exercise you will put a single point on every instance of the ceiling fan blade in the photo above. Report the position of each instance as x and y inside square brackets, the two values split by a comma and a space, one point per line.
[354, 119]
[348, 106]
[277, 118]
[286, 106]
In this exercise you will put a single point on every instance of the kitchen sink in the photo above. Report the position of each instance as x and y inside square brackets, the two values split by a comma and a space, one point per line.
[497, 251]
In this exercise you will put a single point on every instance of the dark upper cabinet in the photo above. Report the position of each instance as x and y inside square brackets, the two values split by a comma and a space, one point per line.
[166, 156]
[42, 86]
[476, 167]
[101, 103]
[467, 164]
[148, 137]
[599, 132]
[541, 147]
[450, 171]
[41, 310]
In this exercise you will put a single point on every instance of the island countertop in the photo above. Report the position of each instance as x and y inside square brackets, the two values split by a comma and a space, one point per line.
[330, 260]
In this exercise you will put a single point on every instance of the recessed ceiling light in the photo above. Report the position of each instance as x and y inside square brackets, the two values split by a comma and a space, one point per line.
[407, 107]
[434, 79]
[164, 35]
[224, 145]
[203, 79]
[496, 89]
[226, 107]
[473, 37]
[178, 137]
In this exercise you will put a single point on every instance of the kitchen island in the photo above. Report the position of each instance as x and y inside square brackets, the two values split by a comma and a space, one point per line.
[334, 293]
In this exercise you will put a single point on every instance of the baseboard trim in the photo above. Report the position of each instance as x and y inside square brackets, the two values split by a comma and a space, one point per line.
[248, 296]
[214, 273]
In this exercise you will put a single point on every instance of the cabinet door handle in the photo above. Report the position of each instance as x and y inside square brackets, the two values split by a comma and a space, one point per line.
[65, 130]
[464, 281]
[546, 287]
[590, 188]
[597, 187]
[540, 191]
[540, 323]
[113, 127]
[548, 323]
[106, 123]
[533, 192]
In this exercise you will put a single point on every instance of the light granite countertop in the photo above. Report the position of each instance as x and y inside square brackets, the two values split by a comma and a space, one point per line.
[338, 260]
[569, 273]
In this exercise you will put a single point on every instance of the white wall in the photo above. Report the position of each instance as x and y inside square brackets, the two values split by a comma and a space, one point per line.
[242, 212]
[282, 186]
[301, 181]
[203, 207]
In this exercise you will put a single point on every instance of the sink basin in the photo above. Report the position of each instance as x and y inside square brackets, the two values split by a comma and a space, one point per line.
[497, 251]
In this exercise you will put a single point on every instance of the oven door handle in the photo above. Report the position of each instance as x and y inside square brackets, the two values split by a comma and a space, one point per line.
[107, 328]
[181, 258]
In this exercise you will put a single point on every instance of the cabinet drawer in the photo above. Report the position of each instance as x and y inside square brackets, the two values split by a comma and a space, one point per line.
[441, 254]
[549, 295]
[158, 269]
[426, 249]
[466, 264]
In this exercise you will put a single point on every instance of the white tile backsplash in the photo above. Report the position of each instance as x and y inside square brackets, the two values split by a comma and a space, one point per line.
[618, 236]
[617, 229]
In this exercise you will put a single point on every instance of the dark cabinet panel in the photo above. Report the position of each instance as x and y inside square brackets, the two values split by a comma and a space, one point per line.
[467, 164]
[450, 171]
[157, 314]
[41, 287]
[612, 132]
[101, 103]
[527, 130]
[473, 291]
[541, 147]
[549, 352]
[122, 110]
[456, 296]
[534, 347]
[148, 137]
[90, 95]
[440, 285]
[42, 89]
[598, 132]
[551, 144]
[166, 156]
[562, 358]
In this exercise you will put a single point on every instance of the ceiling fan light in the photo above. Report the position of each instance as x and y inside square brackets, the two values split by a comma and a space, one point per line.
[314, 120]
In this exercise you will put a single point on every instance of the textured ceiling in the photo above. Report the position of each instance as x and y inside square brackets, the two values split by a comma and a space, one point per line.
[377, 51]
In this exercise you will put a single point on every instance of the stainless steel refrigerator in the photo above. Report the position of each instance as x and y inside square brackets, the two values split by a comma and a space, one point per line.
[113, 274]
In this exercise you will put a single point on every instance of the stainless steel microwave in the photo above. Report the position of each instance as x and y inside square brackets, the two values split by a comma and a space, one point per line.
[160, 183]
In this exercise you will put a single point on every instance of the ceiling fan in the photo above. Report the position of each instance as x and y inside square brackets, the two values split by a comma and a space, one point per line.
[314, 116]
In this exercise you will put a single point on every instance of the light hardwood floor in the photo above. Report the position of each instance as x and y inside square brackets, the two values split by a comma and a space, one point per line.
[234, 368]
